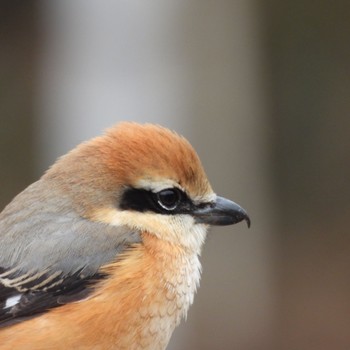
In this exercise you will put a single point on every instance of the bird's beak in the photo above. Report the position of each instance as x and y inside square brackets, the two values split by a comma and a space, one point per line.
[221, 212]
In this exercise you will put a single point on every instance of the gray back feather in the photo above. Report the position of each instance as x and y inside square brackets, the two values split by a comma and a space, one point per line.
[38, 233]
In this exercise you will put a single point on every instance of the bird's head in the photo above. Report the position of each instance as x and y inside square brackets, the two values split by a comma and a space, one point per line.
[147, 178]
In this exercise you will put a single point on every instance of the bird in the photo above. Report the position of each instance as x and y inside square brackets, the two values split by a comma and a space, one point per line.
[102, 252]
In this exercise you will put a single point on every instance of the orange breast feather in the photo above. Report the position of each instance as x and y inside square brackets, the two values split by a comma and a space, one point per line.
[148, 291]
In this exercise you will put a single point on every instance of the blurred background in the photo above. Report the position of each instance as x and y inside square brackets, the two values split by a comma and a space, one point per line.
[260, 88]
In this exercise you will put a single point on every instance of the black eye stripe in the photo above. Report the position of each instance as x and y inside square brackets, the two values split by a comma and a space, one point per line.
[136, 199]
[142, 200]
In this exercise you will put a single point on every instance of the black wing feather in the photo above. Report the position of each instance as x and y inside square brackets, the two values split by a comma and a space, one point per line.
[31, 303]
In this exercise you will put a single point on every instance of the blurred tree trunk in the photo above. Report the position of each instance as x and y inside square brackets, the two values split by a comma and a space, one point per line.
[18, 50]
[309, 56]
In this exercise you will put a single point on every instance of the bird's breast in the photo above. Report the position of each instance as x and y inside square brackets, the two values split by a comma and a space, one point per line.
[147, 292]
[169, 277]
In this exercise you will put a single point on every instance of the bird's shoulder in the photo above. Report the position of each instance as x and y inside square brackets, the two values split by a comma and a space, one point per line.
[51, 256]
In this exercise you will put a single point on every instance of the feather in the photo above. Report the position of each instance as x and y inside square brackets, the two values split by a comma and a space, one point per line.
[52, 256]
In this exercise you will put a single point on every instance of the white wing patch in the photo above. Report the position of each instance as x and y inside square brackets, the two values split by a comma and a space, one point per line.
[12, 301]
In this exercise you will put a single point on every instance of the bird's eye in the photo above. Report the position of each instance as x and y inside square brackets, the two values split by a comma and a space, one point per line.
[169, 198]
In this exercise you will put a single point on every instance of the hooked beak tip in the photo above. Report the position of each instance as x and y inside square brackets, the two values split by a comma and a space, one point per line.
[247, 220]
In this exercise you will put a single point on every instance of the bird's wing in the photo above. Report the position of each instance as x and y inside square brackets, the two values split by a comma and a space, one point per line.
[49, 257]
